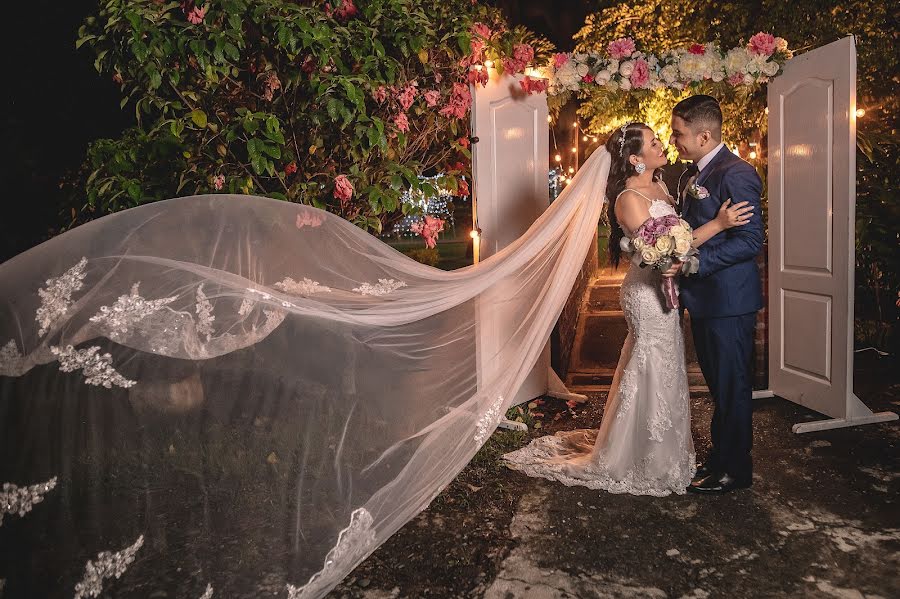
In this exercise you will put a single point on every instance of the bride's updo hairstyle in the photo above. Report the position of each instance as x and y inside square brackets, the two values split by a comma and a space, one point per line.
[624, 141]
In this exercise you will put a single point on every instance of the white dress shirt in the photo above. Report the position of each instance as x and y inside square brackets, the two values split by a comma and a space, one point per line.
[701, 164]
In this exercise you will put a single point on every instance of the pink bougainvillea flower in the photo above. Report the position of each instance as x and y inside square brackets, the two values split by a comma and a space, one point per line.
[402, 122]
[698, 49]
[621, 48]
[560, 59]
[533, 86]
[463, 141]
[462, 189]
[428, 228]
[459, 103]
[345, 10]
[290, 168]
[343, 188]
[478, 76]
[219, 182]
[640, 76]
[407, 96]
[196, 15]
[380, 94]
[477, 48]
[432, 97]
[762, 44]
[523, 53]
[308, 218]
[482, 30]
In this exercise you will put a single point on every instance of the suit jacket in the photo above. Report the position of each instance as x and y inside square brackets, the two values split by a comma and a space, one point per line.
[728, 282]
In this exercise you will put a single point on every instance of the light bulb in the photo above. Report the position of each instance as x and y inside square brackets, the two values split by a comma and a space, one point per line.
[489, 63]
[575, 124]
[574, 150]
[571, 169]
[558, 158]
[549, 119]
[752, 155]
[860, 113]
[584, 138]
[473, 234]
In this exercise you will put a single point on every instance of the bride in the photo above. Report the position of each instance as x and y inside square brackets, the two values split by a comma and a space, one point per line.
[644, 444]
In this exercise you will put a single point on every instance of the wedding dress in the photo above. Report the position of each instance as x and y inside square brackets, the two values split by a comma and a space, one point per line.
[644, 444]
[227, 396]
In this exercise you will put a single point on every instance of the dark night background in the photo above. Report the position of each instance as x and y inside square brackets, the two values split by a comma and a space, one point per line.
[55, 103]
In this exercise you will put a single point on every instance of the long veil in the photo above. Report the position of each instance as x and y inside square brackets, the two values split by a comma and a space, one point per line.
[232, 396]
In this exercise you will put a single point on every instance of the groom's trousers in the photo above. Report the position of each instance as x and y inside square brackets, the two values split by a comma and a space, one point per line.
[725, 352]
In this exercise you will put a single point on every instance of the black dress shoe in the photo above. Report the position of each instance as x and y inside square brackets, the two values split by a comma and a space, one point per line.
[703, 470]
[717, 484]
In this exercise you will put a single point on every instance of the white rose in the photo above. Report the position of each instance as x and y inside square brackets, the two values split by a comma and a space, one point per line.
[669, 73]
[638, 243]
[684, 224]
[613, 65]
[626, 68]
[625, 85]
[736, 61]
[718, 75]
[603, 77]
[650, 256]
[665, 244]
[682, 246]
[582, 70]
[770, 68]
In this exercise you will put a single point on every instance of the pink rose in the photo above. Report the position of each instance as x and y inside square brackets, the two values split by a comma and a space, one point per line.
[560, 59]
[640, 76]
[343, 188]
[621, 48]
[432, 97]
[482, 30]
[698, 49]
[762, 44]
[196, 15]
[402, 122]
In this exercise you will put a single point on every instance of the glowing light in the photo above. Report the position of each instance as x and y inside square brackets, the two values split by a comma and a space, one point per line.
[574, 150]
[575, 124]
[489, 64]
[767, 110]
[558, 158]
[753, 155]
[473, 234]
[584, 138]
[860, 113]
[549, 119]
[571, 169]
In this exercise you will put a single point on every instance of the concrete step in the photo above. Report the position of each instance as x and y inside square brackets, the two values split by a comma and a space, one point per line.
[598, 341]
[602, 298]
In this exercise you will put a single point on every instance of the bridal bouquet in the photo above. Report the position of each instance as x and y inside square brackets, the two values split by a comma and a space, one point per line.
[658, 243]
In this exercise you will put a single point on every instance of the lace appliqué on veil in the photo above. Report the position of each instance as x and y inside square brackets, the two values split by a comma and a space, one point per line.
[304, 287]
[488, 421]
[95, 367]
[383, 287]
[107, 565]
[117, 320]
[20, 500]
[56, 297]
[353, 544]
[205, 316]
[11, 360]
[208, 593]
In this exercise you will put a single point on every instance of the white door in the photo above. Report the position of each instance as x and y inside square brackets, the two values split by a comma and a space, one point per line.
[510, 171]
[812, 200]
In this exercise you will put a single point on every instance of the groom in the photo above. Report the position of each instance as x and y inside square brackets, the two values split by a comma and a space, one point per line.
[724, 295]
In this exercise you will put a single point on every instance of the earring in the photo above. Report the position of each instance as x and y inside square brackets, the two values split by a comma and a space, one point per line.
[640, 167]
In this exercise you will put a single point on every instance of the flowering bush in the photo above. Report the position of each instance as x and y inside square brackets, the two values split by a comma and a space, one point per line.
[340, 104]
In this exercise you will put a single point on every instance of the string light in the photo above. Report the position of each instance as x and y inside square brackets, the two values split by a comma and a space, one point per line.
[549, 119]
[584, 138]
[558, 158]
[571, 169]
[860, 113]
[489, 64]
[753, 155]
[574, 150]
[575, 124]
[438, 206]
[475, 233]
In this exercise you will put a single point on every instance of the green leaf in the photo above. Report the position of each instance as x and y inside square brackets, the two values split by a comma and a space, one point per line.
[199, 118]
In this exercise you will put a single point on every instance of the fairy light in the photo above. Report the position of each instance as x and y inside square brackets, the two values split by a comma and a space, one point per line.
[574, 149]
[549, 119]
[475, 233]
[437, 205]
[584, 138]
[558, 158]
[753, 155]
[571, 169]
[489, 64]
[860, 113]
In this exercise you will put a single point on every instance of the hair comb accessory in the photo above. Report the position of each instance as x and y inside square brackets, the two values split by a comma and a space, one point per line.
[622, 138]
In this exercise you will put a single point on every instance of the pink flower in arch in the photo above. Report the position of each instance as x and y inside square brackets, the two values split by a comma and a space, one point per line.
[343, 188]
[478, 76]
[523, 53]
[698, 49]
[762, 44]
[380, 94]
[621, 48]
[533, 86]
[432, 97]
[407, 96]
[219, 182]
[560, 59]
[587, 78]
[640, 76]
[428, 228]
[459, 103]
[736, 79]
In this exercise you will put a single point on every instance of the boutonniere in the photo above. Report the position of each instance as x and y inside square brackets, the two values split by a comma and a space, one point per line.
[698, 192]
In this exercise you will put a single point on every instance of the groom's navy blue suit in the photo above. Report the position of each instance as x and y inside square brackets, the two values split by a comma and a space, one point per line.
[722, 299]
